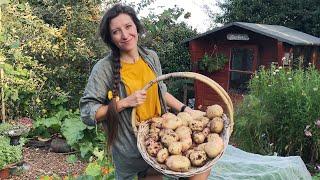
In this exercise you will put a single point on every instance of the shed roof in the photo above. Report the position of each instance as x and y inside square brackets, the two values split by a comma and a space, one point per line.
[280, 33]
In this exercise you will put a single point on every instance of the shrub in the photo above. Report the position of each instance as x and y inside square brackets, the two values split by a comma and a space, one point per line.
[281, 113]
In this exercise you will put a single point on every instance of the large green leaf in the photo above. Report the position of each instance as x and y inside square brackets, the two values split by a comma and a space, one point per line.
[72, 129]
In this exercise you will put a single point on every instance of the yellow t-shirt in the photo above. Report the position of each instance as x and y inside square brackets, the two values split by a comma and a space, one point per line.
[135, 76]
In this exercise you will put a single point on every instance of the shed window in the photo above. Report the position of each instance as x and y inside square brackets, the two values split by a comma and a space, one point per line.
[241, 69]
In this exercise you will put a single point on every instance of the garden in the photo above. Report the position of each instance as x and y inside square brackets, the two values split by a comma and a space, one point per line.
[47, 50]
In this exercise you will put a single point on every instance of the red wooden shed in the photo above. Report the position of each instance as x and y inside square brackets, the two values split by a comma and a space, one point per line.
[248, 46]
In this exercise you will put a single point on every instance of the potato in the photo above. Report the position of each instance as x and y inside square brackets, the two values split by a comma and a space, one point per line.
[175, 148]
[197, 114]
[156, 125]
[196, 125]
[216, 125]
[168, 115]
[162, 155]
[206, 131]
[186, 144]
[214, 111]
[167, 139]
[204, 120]
[178, 163]
[198, 158]
[183, 132]
[200, 147]
[154, 136]
[211, 137]
[185, 117]
[149, 141]
[198, 137]
[188, 152]
[171, 123]
[153, 149]
[156, 120]
[154, 130]
[165, 131]
[214, 148]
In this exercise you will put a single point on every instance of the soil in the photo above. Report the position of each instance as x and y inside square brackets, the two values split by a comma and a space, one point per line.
[41, 162]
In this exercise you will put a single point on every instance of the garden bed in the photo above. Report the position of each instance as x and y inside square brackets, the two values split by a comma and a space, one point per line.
[41, 162]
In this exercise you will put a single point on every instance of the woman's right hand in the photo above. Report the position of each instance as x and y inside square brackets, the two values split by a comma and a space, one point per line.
[136, 98]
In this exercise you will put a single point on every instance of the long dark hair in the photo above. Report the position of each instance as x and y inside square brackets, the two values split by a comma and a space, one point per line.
[111, 122]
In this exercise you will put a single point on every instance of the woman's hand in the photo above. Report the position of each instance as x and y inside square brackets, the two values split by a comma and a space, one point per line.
[135, 99]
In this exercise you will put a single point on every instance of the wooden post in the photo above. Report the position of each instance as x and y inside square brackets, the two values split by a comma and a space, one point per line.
[3, 112]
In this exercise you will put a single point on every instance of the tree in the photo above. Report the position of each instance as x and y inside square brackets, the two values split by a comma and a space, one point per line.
[164, 35]
[302, 15]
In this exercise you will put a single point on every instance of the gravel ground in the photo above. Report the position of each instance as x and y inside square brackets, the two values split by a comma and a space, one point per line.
[42, 162]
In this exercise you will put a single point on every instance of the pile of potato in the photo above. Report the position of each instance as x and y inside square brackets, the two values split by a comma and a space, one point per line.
[184, 140]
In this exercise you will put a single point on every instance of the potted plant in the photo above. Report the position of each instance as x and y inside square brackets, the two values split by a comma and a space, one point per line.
[212, 63]
[8, 155]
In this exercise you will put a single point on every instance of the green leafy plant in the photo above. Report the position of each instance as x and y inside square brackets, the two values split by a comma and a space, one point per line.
[212, 63]
[281, 113]
[9, 154]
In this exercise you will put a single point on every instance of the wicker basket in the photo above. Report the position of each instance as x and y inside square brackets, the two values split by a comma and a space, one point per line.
[142, 129]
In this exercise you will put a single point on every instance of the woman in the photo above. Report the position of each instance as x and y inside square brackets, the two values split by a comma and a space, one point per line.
[114, 88]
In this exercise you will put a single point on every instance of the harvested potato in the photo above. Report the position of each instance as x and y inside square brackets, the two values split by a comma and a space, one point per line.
[216, 125]
[198, 158]
[156, 125]
[162, 155]
[168, 115]
[186, 144]
[154, 136]
[172, 123]
[175, 148]
[183, 132]
[156, 119]
[165, 131]
[178, 163]
[167, 139]
[211, 137]
[188, 152]
[214, 111]
[206, 131]
[149, 141]
[153, 149]
[200, 147]
[154, 130]
[185, 117]
[198, 137]
[196, 125]
[204, 120]
[197, 114]
[214, 148]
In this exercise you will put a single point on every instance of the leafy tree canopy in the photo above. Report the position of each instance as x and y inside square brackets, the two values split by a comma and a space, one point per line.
[302, 15]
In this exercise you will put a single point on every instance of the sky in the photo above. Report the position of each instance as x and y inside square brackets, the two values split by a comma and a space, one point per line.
[199, 18]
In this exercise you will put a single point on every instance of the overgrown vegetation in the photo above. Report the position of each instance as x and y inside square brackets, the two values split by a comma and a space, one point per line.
[281, 114]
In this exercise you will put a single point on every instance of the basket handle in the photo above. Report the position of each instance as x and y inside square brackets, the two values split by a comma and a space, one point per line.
[192, 75]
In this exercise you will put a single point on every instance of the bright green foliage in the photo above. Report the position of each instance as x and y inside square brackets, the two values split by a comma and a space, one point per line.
[78, 135]
[280, 114]
[72, 129]
[9, 154]
[300, 15]
[212, 63]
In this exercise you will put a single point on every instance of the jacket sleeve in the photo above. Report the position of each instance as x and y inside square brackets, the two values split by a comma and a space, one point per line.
[94, 94]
